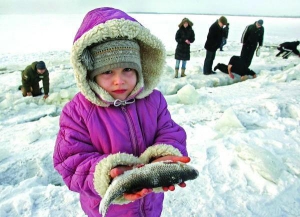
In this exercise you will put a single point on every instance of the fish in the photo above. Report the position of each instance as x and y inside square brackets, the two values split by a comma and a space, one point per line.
[153, 175]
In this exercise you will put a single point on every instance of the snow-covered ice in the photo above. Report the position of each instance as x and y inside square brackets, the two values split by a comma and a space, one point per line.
[243, 137]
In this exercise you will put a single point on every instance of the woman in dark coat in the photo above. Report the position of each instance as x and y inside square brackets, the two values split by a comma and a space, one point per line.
[184, 37]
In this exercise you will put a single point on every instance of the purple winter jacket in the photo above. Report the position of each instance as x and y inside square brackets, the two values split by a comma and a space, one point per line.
[88, 133]
[96, 135]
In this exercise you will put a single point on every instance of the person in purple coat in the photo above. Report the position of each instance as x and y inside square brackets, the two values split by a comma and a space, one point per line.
[118, 120]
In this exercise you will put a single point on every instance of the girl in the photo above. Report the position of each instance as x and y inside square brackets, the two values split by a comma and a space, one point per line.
[118, 120]
[184, 37]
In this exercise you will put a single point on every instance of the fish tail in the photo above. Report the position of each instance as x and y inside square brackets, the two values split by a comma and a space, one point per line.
[113, 192]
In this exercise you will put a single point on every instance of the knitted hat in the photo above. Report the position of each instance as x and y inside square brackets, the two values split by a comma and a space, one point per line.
[223, 20]
[113, 54]
[260, 22]
[41, 65]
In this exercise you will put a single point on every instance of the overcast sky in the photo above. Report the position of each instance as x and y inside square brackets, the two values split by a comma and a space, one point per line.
[232, 7]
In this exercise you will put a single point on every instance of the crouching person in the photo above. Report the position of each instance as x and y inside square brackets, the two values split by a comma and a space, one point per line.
[287, 48]
[31, 76]
[236, 65]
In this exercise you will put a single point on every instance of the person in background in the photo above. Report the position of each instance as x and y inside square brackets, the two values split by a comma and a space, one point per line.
[104, 130]
[214, 39]
[31, 76]
[236, 65]
[184, 37]
[225, 36]
[252, 35]
[287, 48]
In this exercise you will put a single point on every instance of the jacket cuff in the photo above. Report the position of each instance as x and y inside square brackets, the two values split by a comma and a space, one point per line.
[102, 178]
[158, 150]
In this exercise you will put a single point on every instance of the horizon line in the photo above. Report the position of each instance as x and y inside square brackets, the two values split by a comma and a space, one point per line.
[188, 13]
[240, 15]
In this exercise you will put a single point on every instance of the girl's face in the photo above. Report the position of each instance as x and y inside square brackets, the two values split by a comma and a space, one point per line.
[118, 82]
[186, 24]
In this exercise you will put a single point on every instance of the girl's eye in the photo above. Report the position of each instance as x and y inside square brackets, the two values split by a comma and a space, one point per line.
[107, 72]
[128, 69]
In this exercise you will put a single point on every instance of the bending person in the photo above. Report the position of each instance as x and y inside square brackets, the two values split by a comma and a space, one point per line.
[236, 65]
[287, 48]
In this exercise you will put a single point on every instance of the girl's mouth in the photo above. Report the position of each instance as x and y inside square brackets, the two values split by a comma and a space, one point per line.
[119, 91]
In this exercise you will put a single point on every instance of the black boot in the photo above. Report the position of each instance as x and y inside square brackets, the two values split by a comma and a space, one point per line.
[216, 67]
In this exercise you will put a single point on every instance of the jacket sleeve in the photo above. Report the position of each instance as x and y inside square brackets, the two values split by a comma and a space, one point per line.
[226, 32]
[74, 155]
[46, 83]
[244, 35]
[192, 38]
[178, 37]
[76, 159]
[261, 38]
[26, 79]
[170, 137]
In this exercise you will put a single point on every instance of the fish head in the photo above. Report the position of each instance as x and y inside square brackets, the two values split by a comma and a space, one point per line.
[189, 173]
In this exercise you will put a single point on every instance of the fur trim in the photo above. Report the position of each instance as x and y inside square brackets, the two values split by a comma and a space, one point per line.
[102, 177]
[152, 56]
[159, 150]
[185, 20]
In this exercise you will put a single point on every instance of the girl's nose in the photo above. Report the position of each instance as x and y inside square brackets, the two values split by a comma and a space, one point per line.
[118, 79]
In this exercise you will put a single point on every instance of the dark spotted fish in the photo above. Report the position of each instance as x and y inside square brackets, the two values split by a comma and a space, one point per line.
[160, 174]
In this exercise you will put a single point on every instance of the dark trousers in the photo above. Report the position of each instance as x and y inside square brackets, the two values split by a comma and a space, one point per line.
[247, 53]
[208, 62]
[34, 89]
[224, 68]
[286, 52]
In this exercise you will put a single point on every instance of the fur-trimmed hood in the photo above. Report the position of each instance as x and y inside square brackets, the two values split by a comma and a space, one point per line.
[104, 23]
[185, 20]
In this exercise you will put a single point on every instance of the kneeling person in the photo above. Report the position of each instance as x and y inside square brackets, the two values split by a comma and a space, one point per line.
[31, 76]
[236, 65]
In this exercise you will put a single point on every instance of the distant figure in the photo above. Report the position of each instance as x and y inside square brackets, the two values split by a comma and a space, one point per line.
[236, 65]
[184, 37]
[31, 76]
[214, 39]
[252, 35]
[287, 48]
[225, 36]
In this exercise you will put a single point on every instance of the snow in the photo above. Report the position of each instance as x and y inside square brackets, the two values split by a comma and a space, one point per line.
[242, 137]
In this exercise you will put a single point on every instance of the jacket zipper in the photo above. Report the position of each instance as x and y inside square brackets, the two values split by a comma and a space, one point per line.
[131, 131]
[135, 148]
[142, 210]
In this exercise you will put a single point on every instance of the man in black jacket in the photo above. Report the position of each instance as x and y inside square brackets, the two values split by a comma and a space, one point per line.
[252, 35]
[287, 48]
[214, 39]
[236, 65]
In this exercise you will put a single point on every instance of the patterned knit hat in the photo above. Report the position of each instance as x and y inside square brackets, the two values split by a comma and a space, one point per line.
[112, 54]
